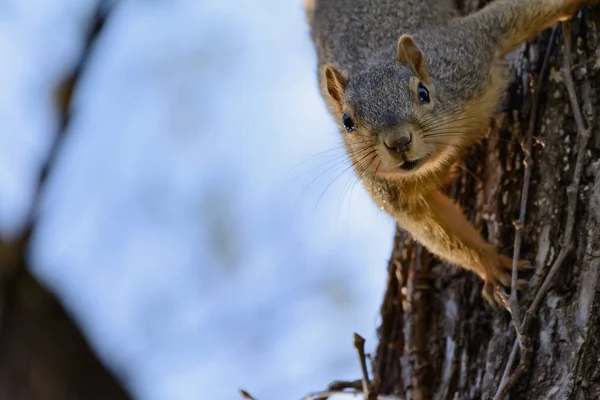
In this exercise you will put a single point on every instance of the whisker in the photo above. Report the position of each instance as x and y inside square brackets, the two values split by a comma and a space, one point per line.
[340, 174]
[354, 179]
[335, 158]
[453, 122]
[366, 151]
[459, 133]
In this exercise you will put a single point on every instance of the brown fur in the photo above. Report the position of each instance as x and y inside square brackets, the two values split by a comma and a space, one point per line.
[372, 54]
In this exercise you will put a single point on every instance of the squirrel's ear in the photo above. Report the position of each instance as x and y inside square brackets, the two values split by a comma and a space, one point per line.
[410, 54]
[336, 83]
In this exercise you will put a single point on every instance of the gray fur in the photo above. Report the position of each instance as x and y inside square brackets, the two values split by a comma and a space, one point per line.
[360, 39]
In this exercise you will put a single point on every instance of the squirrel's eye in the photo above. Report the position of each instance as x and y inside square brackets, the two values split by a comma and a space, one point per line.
[348, 123]
[423, 94]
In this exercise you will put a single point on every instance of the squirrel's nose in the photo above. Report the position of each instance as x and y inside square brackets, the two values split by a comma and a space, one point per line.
[398, 143]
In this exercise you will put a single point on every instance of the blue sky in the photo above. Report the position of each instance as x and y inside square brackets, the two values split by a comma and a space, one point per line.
[184, 225]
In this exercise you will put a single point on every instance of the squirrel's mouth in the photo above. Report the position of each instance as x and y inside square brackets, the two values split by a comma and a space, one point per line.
[405, 167]
[410, 165]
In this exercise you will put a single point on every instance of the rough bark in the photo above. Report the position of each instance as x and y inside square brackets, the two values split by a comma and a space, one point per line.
[438, 337]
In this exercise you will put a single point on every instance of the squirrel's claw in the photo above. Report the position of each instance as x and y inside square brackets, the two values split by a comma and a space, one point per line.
[491, 295]
[500, 278]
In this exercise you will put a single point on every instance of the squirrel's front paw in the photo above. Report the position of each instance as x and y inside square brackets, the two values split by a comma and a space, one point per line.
[507, 264]
[498, 275]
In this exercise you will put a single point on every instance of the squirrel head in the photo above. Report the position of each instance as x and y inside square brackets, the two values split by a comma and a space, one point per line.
[392, 115]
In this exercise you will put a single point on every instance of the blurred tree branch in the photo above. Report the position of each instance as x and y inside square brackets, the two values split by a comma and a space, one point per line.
[43, 355]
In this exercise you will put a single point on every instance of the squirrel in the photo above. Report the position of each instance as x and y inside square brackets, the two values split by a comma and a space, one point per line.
[411, 83]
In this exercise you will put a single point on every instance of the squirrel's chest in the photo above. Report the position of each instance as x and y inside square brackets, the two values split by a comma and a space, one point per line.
[394, 198]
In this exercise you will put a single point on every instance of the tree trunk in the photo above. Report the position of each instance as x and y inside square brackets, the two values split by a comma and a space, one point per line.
[438, 337]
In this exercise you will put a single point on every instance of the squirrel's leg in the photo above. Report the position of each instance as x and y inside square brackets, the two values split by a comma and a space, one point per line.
[512, 22]
[441, 226]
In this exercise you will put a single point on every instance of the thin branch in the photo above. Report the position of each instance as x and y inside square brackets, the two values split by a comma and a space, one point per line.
[337, 386]
[567, 245]
[327, 394]
[511, 359]
[246, 395]
[64, 99]
[63, 102]
[324, 395]
[513, 302]
[359, 345]
[583, 134]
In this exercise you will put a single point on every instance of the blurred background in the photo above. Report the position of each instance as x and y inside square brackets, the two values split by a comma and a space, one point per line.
[168, 171]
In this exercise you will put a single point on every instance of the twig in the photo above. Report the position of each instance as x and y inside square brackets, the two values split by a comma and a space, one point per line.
[567, 245]
[359, 345]
[513, 302]
[583, 134]
[509, 364]
[246, 395]
[338, 387]
[343, 385]
[323, 395]
[65, 101]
